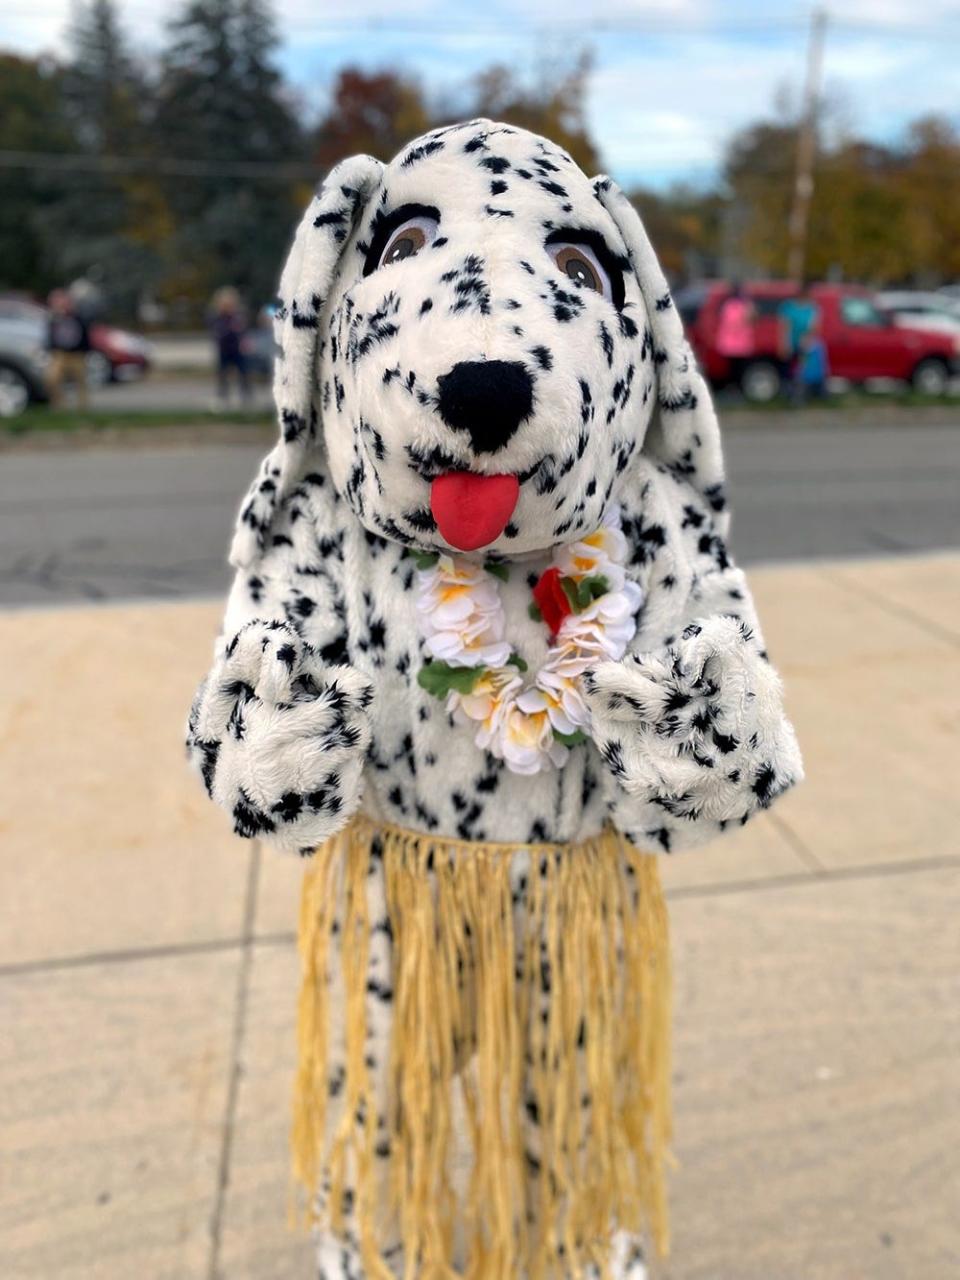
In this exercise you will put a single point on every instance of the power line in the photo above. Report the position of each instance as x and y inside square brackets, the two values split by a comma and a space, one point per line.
[260, 170]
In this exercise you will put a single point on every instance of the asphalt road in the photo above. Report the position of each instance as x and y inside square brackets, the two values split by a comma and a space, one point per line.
[125, 523]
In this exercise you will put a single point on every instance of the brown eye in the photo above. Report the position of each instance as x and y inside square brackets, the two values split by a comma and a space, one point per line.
[575, 265]
[580, 264]
[403, 245]
[408, 240]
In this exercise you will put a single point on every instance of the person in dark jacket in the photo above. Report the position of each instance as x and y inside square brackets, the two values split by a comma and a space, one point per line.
[68, 341]
[228, 325]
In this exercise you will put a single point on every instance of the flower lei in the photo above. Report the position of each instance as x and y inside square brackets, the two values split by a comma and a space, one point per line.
[588, 604]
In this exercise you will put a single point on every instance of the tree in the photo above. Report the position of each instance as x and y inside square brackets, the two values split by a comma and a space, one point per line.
[221, 99]
[928, 182]
[879, 213]
[857, 216]
[758, 174]
[93, 225]
[31, 119]
[553, 105]
[102, 87]
[376, 113]
[686, 226]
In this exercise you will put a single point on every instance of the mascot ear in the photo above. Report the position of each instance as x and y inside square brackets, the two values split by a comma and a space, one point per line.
[683, 434]
[305, 284]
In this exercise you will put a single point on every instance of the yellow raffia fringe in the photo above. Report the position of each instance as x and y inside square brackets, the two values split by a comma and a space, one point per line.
[469, 970]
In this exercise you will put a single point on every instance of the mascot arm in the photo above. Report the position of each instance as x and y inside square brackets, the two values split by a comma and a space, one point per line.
[280, 727]
[690, 724]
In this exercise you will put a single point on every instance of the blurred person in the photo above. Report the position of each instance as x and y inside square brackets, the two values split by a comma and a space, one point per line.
[258, 345]
[798, 315]
[87, 299]
[228, 325]
[68, 341]
[735, 337]
[813, 366]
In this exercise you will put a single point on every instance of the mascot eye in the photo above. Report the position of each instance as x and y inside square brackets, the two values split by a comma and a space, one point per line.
[408, 240]
[580, 263]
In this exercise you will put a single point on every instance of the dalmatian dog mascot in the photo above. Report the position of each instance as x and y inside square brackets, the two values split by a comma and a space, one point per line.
[485, 658]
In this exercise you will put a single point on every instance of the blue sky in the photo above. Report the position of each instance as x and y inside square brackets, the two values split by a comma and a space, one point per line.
[672, 79]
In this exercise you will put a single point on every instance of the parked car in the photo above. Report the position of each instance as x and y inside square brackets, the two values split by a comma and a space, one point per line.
[913, 309]
[23, 359]
[115, 356]
[862, 340]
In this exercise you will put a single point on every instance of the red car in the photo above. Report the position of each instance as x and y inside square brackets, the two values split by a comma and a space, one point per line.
[862, 340]
[116, 355]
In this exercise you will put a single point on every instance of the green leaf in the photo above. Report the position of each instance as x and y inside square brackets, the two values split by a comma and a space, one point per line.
[425, 559]
[500, 571]
[570, 739]
[534, 612]
[597, 585]
[570, 591]
[583, 594]
[516, 661]
[438, 678]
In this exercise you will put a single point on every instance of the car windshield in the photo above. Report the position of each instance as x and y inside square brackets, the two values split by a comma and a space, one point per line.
[862, 312]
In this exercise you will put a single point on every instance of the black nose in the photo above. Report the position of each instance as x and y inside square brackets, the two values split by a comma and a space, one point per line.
[486, 398]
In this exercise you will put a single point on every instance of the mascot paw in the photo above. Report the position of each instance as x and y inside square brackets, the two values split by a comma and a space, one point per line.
[684, 725]
[280, 738]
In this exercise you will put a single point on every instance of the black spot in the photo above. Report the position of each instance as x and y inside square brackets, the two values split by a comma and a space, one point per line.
[248, 820]
[416, 154]
[763, 785]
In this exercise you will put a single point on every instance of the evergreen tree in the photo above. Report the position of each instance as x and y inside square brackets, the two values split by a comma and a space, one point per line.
[221, 100]
[101, 87]
[31, 120]
[95, 227]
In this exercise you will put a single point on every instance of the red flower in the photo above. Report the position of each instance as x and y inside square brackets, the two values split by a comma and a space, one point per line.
[551, 599]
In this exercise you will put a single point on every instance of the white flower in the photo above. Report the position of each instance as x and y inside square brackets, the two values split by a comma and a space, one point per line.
[486, 699]
[463, 622]
[464, 625]
[560, 697]
[600, 555]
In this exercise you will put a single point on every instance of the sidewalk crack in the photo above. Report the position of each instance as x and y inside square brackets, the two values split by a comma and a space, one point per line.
[236, 1049]
[799, 847]
[892, 607]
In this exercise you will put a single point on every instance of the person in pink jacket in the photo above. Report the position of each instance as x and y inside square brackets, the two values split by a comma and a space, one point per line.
[735, 338]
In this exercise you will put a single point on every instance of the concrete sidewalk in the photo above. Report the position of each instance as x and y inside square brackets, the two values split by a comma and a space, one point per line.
[148, 974]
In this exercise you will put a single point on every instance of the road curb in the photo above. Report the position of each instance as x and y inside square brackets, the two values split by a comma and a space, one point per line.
[137, 437]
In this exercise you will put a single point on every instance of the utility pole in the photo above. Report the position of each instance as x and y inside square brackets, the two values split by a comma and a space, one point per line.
[806, 148]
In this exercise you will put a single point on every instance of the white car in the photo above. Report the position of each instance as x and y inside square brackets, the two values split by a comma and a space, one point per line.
[915, 309]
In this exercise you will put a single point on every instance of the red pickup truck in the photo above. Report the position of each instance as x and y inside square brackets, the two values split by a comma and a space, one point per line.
[862, 340]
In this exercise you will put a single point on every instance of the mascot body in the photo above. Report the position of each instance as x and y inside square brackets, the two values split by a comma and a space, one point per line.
[485, 656]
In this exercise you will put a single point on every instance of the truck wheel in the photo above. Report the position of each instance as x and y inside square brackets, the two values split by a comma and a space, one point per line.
[761, 381]
[931, 377]
[14, 392]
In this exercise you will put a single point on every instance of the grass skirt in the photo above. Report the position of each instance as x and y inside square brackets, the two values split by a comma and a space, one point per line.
[552, 1004]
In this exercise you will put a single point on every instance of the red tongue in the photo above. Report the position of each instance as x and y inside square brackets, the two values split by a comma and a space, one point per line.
[472, 511]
